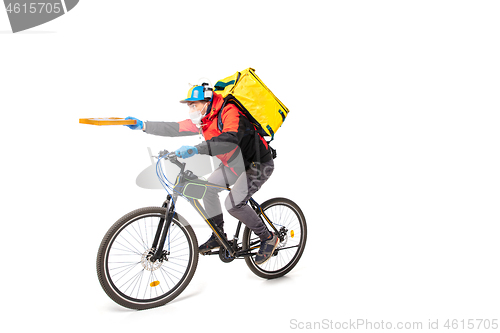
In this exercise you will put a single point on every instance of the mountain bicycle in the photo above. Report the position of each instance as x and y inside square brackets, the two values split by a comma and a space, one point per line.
[149, 256]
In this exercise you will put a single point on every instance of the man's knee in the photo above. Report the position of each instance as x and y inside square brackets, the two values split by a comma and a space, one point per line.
[232, 204]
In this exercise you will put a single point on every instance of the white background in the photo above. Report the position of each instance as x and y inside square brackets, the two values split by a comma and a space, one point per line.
[391, 149]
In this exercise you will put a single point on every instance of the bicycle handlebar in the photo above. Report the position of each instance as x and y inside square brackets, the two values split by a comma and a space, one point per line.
[166, 155]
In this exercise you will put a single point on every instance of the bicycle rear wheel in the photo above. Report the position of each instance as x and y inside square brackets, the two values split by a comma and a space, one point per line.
[123, 267]
[288, 218]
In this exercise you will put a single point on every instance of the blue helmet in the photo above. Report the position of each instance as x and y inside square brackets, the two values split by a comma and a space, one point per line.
[199, 93]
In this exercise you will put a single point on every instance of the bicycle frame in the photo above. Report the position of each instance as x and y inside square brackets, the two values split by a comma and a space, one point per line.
[184, 179]
[230, 248]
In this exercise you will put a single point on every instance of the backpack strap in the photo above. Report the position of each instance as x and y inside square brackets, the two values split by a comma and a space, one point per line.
[220, 125]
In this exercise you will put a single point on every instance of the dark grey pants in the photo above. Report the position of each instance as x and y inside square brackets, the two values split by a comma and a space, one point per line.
[245, 185]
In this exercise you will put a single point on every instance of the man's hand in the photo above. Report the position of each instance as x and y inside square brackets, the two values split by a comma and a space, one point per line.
[138, 124]
[186, 151]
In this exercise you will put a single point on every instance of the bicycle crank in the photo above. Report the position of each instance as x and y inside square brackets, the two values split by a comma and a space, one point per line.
[225, 256]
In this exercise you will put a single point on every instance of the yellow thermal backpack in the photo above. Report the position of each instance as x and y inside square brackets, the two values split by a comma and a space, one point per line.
[254, 98]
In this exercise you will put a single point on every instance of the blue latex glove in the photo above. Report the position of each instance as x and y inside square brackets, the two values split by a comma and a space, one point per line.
[186, 151]
[138, 126]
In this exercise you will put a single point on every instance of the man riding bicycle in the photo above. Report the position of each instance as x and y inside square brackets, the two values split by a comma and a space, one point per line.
[231, 137]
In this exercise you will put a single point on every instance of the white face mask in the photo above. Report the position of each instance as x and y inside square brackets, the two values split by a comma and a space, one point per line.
[196, 115]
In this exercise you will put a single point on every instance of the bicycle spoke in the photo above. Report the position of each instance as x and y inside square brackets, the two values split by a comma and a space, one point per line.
[130, 250]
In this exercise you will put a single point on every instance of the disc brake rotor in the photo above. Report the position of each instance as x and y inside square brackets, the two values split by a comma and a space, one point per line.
[147, 264]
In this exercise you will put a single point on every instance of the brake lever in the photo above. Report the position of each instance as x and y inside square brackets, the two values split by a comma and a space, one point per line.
[166, 155]
[162, 153]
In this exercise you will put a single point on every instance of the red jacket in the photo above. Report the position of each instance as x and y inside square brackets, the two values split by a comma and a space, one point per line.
[237, 135]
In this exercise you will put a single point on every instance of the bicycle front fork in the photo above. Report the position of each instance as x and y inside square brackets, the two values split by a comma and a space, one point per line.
[157, 252]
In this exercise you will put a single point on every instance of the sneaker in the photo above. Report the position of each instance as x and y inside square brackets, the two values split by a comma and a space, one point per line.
[210, 244]
[266, 250]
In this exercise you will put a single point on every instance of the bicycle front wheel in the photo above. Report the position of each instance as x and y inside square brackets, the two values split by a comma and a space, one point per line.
[288, 218]
[125, 270]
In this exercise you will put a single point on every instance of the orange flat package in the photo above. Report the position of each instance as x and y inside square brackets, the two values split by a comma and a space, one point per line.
[107, 121]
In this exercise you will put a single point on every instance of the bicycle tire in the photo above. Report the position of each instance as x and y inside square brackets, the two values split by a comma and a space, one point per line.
[283, 213]
[125, 242]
